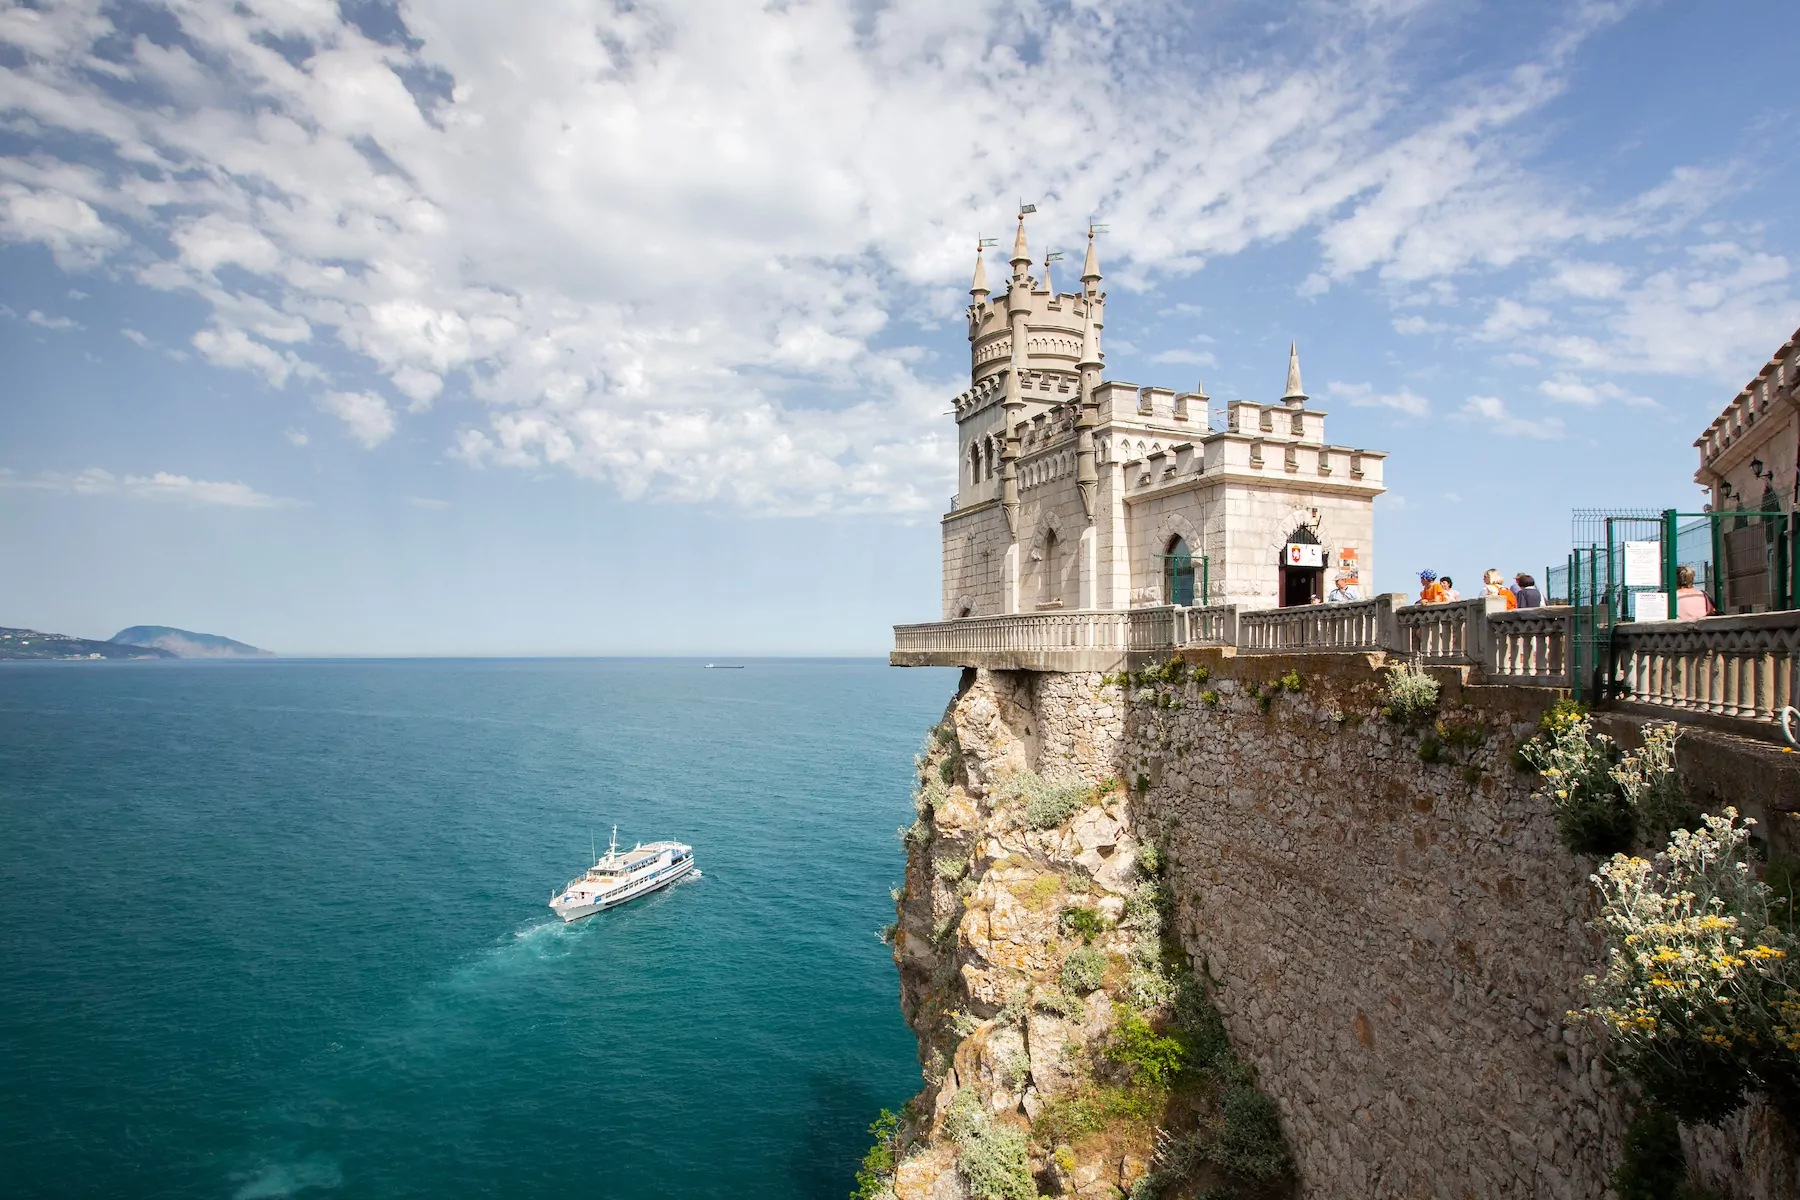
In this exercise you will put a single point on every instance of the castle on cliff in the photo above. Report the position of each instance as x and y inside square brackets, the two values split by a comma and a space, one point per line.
[1079, 492]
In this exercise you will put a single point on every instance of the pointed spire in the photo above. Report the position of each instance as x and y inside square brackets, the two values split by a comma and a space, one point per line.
[1295, 394]
[1200, 390]
[1048, 285]
[979, 289]
[1021, 255]
[1090, 270]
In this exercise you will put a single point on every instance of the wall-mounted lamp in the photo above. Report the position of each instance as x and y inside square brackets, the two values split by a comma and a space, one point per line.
[1756, 469]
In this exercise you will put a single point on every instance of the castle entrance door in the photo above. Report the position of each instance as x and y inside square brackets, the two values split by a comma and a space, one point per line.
[1300, 569]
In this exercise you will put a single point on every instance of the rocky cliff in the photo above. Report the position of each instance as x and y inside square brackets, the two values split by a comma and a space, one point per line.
[1068, 1048]
[1218, 928]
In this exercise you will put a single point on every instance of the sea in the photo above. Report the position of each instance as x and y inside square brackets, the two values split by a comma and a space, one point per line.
[278, 928]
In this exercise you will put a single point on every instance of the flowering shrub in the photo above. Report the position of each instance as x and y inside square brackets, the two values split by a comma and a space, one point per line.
[1576, 764]
[1699, 994]
[1412, 695]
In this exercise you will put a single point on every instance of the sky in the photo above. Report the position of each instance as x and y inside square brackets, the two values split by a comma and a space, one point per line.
[449, 327]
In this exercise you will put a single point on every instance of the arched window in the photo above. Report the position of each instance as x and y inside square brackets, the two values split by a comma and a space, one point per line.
[974, 464]
[1178, 573]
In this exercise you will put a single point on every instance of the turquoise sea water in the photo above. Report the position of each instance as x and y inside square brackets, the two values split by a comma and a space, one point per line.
[277, 929]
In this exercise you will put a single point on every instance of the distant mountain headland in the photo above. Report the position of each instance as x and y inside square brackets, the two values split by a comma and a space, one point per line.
[184, 643]
[29, 643]
[140, 641]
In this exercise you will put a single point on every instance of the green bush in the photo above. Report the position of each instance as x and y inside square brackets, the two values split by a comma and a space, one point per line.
[1461, 737]
[1147, 907]
[1291, 682]
[1056, 804]
[1250, 1143]
[1430, 750]
[1084, 970]
[952, 869]
[1152, 1057]
[1173, 671]
[1655, 1165]
[1150, 859]
[1411, 695]
[951, 763]
[1085, 923]
[876, 1175]
[992, 1155]
[1064, 1003]
[1209, 698]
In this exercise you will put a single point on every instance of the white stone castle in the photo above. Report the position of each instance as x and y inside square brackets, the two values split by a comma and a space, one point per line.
[1078, 492]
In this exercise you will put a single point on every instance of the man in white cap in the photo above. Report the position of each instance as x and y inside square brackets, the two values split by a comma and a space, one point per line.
[1345, 591]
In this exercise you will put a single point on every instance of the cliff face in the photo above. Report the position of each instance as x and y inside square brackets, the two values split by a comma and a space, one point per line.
[1067, 1048]
[1377, 927]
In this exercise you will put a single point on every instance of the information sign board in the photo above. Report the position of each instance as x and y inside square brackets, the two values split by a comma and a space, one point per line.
[1301, 554]
[1643, 564]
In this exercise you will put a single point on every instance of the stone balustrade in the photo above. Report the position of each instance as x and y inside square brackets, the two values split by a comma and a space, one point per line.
[1529, 646]
[1738, 667]
[1734, 669]
[1361, 625]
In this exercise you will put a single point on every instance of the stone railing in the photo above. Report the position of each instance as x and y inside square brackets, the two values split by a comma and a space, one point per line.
[1530, 646]
[1738, 667]
[1215, 625]
[1032, 632]
[1447, 633]
[1362, 625]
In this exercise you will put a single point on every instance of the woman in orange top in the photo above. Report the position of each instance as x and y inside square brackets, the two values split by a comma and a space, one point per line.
[1430, 590]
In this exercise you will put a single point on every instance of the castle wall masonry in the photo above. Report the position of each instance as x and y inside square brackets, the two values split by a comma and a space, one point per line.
[1394, 943]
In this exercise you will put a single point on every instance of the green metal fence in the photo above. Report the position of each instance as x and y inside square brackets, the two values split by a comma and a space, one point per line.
[1625, 567]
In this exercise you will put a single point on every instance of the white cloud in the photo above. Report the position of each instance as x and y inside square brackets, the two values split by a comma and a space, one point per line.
[1191, 358]
[230, 347]
[1492, 412]
[1364, 395]
[296, 437]
[136, 338]
[163, 485]
[1508, 318]
[427, 502]
[1413, 323]
[1570, 390]
[370, 419]
[57, 323]
[667, 244]
[1589, 280]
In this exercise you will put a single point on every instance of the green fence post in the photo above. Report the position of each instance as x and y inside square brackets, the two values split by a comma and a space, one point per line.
[1205, 580]
[1575, 623]
[1669, 564]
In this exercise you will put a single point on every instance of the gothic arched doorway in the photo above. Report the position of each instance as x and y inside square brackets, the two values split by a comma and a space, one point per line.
[1300, 568]
[1178, 582]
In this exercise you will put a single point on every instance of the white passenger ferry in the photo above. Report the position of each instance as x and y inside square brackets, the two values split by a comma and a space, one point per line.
[621, 875]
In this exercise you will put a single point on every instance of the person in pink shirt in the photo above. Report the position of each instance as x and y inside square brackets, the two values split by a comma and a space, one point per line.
[1690, 602]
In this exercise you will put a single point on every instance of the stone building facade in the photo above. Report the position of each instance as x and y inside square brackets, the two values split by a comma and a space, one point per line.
[1079, 492]
[1750, 462]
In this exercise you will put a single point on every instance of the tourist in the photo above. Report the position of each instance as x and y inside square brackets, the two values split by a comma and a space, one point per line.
[1344, 592]
[1690, 602]
[1431, 591]
[1525, 590]
[1492, 585]
[1451, 595]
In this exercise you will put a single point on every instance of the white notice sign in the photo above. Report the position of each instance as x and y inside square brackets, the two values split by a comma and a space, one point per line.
[1649, 606]
[1643, 564]
[1299, 554]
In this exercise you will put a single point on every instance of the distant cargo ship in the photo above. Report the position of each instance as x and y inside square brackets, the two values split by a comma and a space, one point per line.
[619, 876]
